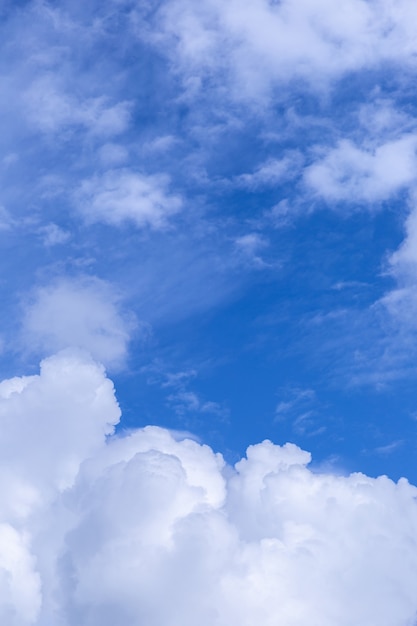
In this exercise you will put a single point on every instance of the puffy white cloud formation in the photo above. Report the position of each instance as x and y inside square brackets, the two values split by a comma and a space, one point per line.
[49, 424]
[148, 528]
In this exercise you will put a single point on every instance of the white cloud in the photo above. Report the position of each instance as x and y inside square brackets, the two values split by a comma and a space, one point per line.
[112, 154]
[404, 260]
[6, 220]
[161, 144]
[64, 414]
[401, 301]
[353, 174]
[272, 172]
[82, 313]
[261, 43]
[380, 116]
[185, 401]
[50, 109]
[125, 196]
[248, 248]
[53, 235]
[20, 596]
[49, 423]
[152, 528]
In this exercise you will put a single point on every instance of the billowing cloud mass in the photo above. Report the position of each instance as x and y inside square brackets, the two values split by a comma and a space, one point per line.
[148, 527]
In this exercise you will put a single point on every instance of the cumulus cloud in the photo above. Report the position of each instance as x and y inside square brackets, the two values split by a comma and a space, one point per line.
[49, 423]
[357, 174]
[83, 313]
[154, 528]
[121, 196]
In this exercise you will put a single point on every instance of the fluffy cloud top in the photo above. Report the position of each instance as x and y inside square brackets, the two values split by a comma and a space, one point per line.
[150, 529]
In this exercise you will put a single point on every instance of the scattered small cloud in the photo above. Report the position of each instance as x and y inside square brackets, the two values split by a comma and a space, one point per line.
[300, 407]
[295, 398]
[181, 398]
[82, 313]
[248, 248]
[6, 220]
[53, 235]
[389, 448]
[189, 402]
[272, 173]
[348, 173]
[282, 214]
[50, 109]
[121, 196]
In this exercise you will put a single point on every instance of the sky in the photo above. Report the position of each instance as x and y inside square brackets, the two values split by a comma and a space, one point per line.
[208, 338]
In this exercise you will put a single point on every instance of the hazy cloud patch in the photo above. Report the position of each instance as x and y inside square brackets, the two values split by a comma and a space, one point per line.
[83, 313]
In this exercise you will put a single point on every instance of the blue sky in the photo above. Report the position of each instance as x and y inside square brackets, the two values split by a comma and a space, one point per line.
[217, 202]
[241, 211]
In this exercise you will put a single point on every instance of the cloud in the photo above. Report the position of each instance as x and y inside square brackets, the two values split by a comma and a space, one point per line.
[352, 174]
[248, 248]
[51, 110]
[83, 313]
[263, 44]
[21, 594]
[184, 402]
[399, 304]
[403, 261]
[272, 172]
[151, 527]
[121, 196]
[300, 407]
[49, 423]
[6, 221]
[53, 235]
[112, 154]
